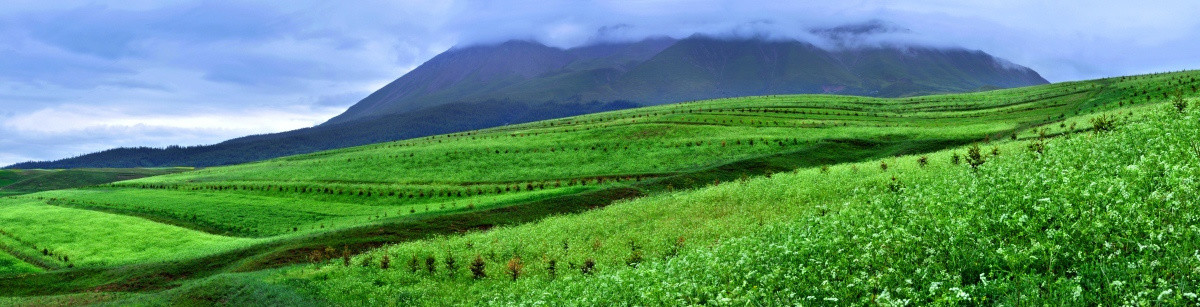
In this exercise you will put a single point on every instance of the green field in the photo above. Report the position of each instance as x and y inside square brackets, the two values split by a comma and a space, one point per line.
[807, 198]
[16, 182]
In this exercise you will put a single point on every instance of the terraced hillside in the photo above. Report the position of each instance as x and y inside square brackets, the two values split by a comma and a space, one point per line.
[332, 204]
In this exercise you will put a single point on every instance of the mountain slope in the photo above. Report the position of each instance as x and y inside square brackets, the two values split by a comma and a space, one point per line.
[519, 81]
[657, 71]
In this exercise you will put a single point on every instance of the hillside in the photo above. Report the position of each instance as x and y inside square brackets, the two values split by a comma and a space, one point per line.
[1102, 217]
[671, 179]
[14, 182]
[664, 70]
[485, 86]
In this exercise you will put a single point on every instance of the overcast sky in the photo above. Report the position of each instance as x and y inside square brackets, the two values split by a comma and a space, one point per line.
[82, 76]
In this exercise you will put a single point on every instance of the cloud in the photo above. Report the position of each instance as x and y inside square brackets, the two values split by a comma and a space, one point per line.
[72, 130]
[142, 72]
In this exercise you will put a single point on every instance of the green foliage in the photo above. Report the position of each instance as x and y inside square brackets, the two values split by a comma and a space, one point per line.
[814, 213]
[478, 268]
[515, 267]
[451, 265]
[974, 157]
[1179, 102]
[1103, 123]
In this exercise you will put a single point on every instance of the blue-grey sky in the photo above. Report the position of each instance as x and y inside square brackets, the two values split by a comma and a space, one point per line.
[82, 76]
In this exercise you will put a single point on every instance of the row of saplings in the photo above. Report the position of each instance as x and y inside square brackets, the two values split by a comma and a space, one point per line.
[399, 193]
[45, 251]
[976, 157]
[514, 267]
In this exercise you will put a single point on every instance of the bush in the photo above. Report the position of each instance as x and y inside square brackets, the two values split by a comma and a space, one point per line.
[954, 158]
[1037, 147]
[451, 265]
[414, 264]
[515, 267]
[478, 268]
[588, 267]
[635, 255]
[385, 263]
[894, 185]
[431, 265]
[1178, 102]
[1103, 123]
[552, 268]
[923, 161]
[974, 158]
[883, 166]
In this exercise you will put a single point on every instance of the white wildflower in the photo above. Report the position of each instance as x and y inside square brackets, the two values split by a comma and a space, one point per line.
[1165, 293]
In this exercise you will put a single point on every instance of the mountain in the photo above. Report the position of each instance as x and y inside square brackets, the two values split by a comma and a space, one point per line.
[520, 81]
[664, 70]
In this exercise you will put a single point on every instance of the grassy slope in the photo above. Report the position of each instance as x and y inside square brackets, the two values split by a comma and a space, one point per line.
[95, 238]
[972, 115]
[16, 182]
[1098, 218]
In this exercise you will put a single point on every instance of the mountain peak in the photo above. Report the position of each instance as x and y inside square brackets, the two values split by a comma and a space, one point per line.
[662, 70]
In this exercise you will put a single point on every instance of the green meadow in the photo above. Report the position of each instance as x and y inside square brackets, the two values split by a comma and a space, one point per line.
[16, 181]
[1073, 193]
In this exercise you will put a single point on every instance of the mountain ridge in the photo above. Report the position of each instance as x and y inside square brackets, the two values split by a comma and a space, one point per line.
[517, 81]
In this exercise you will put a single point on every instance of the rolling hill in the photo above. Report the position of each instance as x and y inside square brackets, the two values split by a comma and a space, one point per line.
[15, 182]
[862, 198]
[485, 86]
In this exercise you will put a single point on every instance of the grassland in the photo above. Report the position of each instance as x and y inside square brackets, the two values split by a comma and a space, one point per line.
[669, 247]
[16, 181]
[1097, 218]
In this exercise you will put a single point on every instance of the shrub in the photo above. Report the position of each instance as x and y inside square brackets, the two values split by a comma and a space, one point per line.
[552, 268]
[894, 186]
[451, 265]
[1037, 147]
[974, 158]
[825, 169]
[883, 166]
[954, 158]
[588, 267]
[431, 264]
[995, 151]
[366, 261]
[515, 267]
[385, 263]
[414, 264]
[346, 256]
[1103, 123]
[635, 255]
[478, 267]
[1178, 102]
[923, 161]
